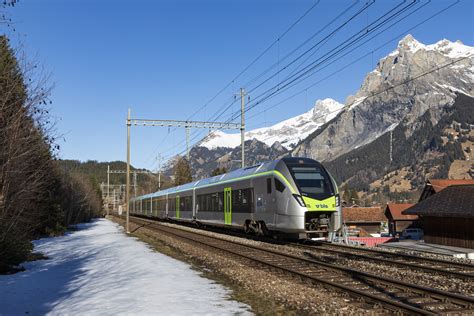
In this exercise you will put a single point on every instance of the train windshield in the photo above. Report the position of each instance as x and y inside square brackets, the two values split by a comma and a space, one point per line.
[313, 181]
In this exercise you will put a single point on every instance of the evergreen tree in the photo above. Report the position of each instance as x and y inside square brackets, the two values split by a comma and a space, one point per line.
[26, 166]
[33, 196]
[182, 172]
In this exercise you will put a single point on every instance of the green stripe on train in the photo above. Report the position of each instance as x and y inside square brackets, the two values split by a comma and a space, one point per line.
[266, 173]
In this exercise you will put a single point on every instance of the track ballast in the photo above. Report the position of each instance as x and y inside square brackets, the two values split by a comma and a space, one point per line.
[393, 294]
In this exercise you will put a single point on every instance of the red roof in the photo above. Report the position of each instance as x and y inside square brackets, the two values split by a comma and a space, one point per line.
[396, 210]
[363, 214]
[440, 184]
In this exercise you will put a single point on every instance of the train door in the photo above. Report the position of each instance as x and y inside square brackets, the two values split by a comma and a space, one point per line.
[227, 206]
[177, 206]
[194, 204]
[151, 206]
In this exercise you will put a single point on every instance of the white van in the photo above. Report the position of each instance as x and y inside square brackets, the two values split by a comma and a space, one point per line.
[412, 233]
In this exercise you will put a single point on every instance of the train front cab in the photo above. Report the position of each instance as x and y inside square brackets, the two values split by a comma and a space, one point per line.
[318, 207]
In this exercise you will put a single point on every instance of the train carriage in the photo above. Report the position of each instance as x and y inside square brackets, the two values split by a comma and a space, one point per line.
[294, 196]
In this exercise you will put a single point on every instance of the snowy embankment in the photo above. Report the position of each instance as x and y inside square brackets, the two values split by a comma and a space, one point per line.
[99, 270]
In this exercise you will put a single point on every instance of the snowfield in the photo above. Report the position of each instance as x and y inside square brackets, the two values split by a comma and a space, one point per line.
[288, 132]
[98, 270]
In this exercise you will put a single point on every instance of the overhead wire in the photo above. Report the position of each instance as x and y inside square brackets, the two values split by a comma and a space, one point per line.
[364, 32]
[250, 65]
[385, 90]
[345, 54]
[439, 12]
[340, 27]
[302, 44]
[361, 57]
[367, 5]
[374, 50]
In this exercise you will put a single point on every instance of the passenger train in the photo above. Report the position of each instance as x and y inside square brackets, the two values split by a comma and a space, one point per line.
[295, 197]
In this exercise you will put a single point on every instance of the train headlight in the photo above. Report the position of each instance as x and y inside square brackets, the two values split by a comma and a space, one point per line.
[299, 199]
[338, 200]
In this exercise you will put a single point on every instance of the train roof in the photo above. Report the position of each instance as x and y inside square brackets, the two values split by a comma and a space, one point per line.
[235, 174]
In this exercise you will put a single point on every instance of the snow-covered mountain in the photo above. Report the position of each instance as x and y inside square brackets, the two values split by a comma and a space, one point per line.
[415, 92]
[288, 133]
[401, 89]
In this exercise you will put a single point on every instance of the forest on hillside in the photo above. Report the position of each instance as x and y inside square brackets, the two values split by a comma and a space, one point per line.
[96, 172]
[423, 151]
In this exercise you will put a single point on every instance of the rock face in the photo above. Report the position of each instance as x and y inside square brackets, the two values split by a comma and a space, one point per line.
[205, 160]
[378, 108]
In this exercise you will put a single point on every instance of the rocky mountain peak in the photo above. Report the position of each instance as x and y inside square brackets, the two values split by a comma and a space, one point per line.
[287, 133]
[402, 88]
[412, 58]
[325, 107]
[409, 44]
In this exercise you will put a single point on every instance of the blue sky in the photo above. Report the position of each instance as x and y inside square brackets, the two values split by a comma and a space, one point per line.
[166, 59]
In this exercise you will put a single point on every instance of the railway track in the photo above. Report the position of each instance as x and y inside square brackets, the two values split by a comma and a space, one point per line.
[440, 266]
[445, 267]
[393, 294]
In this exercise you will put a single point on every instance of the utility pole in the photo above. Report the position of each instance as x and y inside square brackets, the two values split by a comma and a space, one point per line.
[159, 157]
[187, 142]
[115, 200]
[127, 191]
[108, 190]
[391, 145]
[122, 186]
[242, 124]
[134, 184]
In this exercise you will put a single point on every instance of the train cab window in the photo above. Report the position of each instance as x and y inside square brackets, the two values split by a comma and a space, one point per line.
[269, 185]
[280, 187]
[312, 181]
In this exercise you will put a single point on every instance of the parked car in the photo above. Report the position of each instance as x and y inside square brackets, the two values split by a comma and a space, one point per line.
[412, 233]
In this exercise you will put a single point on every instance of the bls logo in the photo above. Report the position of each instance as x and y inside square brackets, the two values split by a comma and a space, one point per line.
[321, 206]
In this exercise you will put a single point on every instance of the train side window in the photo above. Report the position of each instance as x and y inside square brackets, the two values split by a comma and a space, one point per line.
[279, 186]
[269, 185]
[221, 202]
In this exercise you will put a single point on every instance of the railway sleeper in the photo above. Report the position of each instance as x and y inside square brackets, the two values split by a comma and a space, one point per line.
[420, 299]
[431, 304]
[467, 311]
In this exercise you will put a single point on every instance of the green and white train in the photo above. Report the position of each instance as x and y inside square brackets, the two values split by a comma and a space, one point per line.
[290, 196]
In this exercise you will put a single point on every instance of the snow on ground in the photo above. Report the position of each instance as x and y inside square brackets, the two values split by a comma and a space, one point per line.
[99, 270]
